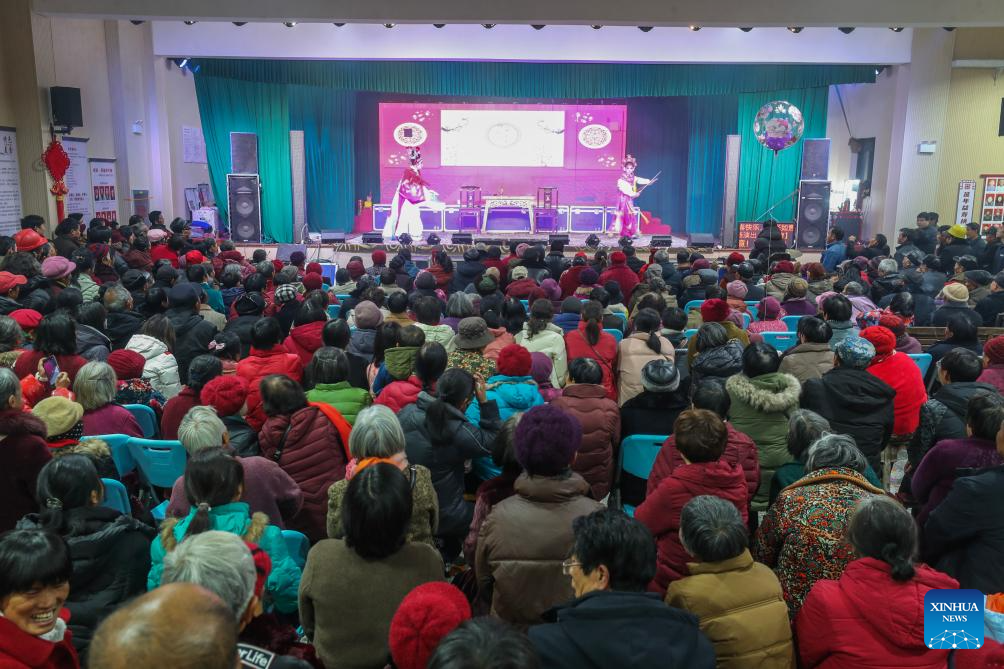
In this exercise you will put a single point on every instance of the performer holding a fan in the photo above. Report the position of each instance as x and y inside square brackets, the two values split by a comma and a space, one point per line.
[412, 191]
[626, 219]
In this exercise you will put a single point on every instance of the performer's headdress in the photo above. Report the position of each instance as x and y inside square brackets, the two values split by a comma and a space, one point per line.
[414, 155]
[629, 160]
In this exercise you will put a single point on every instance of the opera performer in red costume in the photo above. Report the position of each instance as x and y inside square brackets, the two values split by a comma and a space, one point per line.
[412, 191]
[626, 219]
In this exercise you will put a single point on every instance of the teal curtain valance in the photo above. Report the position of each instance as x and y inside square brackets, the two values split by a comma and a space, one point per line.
[592, 81]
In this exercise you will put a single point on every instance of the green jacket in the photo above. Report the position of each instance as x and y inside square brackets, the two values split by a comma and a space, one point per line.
[348, 400]
[88, 287]
[284, 581]
[400, 361]
[760, 408]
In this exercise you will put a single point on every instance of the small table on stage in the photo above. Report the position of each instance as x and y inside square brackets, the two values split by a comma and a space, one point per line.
[523, 203]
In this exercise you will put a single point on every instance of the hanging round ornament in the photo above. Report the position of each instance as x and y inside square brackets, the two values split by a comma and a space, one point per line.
[778, 125]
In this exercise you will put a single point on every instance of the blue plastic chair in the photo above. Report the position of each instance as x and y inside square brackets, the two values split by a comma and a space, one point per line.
[792, 322]
[334, 310]
[146, 418]
[297, 545]
[160, 463]
[159, 512]
[118, 443]
[342, 298]
[690, 333]
[638, 454]
[782, 341]
[923, 361]
[752, 309]
[747, 319]
[693, 304]
[525, 303]
[623, 318]
[116, 496]
[616, 334]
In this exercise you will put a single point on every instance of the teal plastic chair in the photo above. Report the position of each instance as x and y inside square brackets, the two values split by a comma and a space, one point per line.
[690, 333]
[297, 545]
[616, 334]
[146, 418]
[792, 322]
[160, 463]
[622, 317]
[334, 310]
[693, 304]
[118, 443]
[116, 497]
[747, 319]
[753, 309]
[638, 454]
[342, 298]
[923, 361]
[525, 303]
[782, 341]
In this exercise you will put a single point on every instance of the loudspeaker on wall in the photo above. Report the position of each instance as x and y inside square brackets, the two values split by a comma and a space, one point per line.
[813, 214]
[244, 198]
[66, 110]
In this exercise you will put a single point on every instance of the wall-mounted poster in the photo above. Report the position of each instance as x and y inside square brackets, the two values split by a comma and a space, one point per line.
[103, 189]
[10, 183]
[966, 203]
[78, 178]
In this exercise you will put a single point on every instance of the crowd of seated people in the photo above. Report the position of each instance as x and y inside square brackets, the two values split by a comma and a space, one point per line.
[409, 468]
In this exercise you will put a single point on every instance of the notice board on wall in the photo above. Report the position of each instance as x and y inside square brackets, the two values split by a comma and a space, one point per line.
[10, 183]
[78, 178]
[103, 189]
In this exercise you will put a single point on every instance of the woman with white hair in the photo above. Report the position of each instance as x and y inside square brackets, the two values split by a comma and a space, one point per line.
[95, 388]
[377, 437]
[802, 535]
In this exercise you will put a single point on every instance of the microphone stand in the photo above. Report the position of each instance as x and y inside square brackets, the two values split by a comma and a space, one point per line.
[777, 204]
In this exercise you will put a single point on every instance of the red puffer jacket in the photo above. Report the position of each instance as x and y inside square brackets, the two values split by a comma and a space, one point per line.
[257, 366]
[604, 352]
[660, 512]
[313, 456]
[623, 275]
[870, 620]
[569, 280]
[399, 394]
[601, 429]
[739, 450]
[304, 339]
[909, 386]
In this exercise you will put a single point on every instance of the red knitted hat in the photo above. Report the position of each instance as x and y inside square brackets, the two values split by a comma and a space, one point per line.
[426, 615]
[785, 266]
[699, 264]
[714, 311]
[882, 339]
[514, 360]
[226, 394]
[314, 268]
[28, 319]
[893, 322]
[312, 281]
[734, 258]
[127, 364]
[994, 350]
[618, 257]
[277, 264]
[379, 257]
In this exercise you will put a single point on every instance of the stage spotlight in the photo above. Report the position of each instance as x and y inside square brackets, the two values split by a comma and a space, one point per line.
[487, 26]
[897, 29]
[190, 23]
[183, 63]
[846, 31]
[239, 23]
[795, 29]
[137, 22]
[389, 25]
[405, 239]
[537, 26]
[433, 239]
[645, 29]
[746, 29]
[595, 27]
[289, 24]
[438, 25]
[694, 28]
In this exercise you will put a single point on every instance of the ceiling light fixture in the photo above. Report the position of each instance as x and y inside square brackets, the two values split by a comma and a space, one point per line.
[438, 25]
[897, 29]
[239, 23]
[537, 26]
[746, 29]
[137, 22]
[289, 24]
[948, 29]
[795, 29]
[190, 23]
[595, 27]
[339, 25]
[694, 28]
[645, 29]
[487, 26]
[389, 25]
[846, 31]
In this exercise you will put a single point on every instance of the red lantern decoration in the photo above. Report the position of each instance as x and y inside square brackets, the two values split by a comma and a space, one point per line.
[57, 162]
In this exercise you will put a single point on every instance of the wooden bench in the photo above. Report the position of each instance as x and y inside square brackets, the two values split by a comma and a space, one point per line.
[929, 335]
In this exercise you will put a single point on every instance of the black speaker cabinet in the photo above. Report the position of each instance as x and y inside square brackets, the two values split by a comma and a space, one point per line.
[244, 152]
[813, 214]
[66, 109]
[815, 159]
[462, 238]
[700, 240]
[244, 198]
[661, 241]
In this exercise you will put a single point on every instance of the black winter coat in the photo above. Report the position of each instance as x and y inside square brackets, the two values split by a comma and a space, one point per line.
[989, 307]
[954, 249]
[111, 559]
[35, 295]
[444, 455]
[241, 326]
[944, 417]
[556, 264]
[613, 628]
[92, 344]
[964, 535]
[121, 326]
[856, 403]
[950, 310]
[8, 305]
[465, 272]
[653, 413]
[927, 239]
[192, 336]
[890, 284]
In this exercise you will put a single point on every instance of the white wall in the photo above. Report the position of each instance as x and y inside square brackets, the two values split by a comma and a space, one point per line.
[869, 109]
[182, 108]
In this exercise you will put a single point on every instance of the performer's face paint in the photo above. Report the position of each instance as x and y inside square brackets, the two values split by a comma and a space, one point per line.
[629, 169]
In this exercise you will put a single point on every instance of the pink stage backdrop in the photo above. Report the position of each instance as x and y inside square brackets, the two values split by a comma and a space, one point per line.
[507, 149]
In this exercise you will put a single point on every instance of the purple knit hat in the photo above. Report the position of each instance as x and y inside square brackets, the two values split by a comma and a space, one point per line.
[546, 440]
[540, 368]
[551, 288]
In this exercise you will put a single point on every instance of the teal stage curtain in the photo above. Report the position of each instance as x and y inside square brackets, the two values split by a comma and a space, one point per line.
[758, 190]
[711, 117]
[536, 80]
[367, 135]
[231, 105]
[657, 137]
[327, 119]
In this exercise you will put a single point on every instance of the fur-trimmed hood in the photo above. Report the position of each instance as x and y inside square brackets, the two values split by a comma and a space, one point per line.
[14, 422]
[769, 393]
